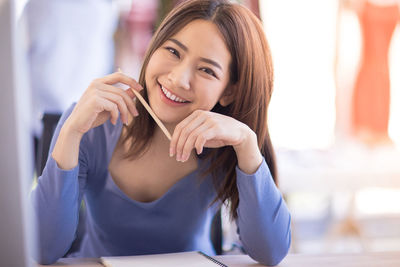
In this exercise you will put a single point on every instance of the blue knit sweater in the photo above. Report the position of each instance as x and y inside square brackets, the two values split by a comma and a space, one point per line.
[178, 221]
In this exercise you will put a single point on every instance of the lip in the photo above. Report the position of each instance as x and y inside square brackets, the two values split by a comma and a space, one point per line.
[168, 101]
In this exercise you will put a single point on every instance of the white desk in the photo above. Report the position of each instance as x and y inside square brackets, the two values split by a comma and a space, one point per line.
[378, 259]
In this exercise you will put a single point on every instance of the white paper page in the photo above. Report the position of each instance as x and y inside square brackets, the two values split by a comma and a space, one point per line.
[187, 259]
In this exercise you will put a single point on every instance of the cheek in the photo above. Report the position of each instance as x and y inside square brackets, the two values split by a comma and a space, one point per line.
[153, 64]
[150, 69]
[158, 64]
[209, 98]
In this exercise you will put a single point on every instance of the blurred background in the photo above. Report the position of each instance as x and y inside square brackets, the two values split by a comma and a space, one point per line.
[334, 116]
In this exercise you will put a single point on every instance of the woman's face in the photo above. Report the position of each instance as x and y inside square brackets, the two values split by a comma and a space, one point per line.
[188, 72]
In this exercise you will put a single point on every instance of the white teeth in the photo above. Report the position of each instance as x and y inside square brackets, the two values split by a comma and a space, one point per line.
[171, 96]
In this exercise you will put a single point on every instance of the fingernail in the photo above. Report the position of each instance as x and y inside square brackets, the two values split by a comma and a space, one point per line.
[184, 157]
[171, 152]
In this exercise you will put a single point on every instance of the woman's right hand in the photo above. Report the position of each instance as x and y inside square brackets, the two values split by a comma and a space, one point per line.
[101, 101]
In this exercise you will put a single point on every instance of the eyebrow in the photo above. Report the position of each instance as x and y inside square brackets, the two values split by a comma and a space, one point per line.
[206, 60]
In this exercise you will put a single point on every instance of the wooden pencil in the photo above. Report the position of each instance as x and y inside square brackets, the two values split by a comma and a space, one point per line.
[151, 112]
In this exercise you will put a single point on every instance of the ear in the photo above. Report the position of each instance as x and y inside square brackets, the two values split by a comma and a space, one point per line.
[228, 95]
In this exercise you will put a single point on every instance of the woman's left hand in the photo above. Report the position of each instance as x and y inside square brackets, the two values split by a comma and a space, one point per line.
[207, 129]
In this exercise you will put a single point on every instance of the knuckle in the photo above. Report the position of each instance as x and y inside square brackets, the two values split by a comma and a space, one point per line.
[124, 94]
[200, 139]
[201, 136]
[185, 148]
[114, 107]
[178, 127]
[210, 119]
[120, 101]
[206, 116]
[179, 146]
[185, 132]
[95, 82]
[96, 98]
[191, 138]
[92, 85]
[197, 112]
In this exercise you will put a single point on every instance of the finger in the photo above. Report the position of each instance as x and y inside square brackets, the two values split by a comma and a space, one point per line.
[133, 97]
[185, 130]
[123, 93]
[119, 77]
[119, 102]
[192, 139]
[177, 132]
[199, 144]
[208, 135]
[130, 93]
[111, 107]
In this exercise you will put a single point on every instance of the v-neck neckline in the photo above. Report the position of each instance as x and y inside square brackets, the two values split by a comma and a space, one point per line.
[116, 134]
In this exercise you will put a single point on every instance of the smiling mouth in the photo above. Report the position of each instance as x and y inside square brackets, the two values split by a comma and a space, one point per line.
[171, 96]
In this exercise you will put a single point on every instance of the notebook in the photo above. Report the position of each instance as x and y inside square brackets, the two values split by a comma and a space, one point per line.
[186, 259]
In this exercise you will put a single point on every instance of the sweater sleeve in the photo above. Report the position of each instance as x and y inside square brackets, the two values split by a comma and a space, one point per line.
[55, 202]
[263, 217]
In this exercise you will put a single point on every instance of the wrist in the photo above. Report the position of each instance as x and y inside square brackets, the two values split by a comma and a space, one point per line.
[68, 130]
[248, 153]
[249, 139]
[66, 148]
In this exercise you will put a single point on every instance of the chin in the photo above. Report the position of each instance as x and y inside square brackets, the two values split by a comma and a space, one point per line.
[171, 119]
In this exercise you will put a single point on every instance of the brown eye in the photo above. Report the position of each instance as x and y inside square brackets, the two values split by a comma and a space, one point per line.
[173, 51]
[209, 71]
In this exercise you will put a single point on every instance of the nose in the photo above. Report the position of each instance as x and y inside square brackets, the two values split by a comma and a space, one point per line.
[180, 76]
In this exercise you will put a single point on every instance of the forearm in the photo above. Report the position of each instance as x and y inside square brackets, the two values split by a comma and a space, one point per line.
[56, 198]
[55, 202]
[66, 149]
[263, 217]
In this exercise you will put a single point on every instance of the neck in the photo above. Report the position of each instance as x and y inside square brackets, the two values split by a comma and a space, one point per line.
[160, 138]
[161, 141]
[170, 127]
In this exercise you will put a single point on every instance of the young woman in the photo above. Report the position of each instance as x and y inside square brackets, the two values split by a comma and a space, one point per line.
[208, 77]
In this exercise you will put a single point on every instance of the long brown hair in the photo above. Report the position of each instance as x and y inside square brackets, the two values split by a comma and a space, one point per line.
[251, 73]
